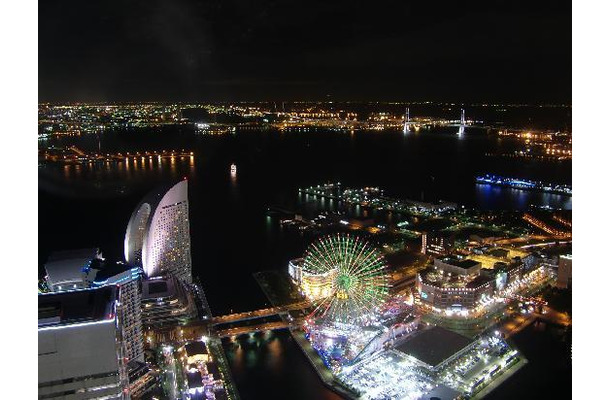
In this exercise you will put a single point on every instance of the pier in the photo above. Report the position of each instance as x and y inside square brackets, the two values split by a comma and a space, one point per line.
[74, 155]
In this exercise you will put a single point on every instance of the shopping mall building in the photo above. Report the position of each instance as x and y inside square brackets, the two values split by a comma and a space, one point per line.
[459, 285]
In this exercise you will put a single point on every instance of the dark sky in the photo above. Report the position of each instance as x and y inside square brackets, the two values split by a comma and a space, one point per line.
[223, 50]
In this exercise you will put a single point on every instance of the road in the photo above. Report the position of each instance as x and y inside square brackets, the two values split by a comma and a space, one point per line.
[553, 316]
[519, 322]
[264, 312]
[170, 373]
[255, 328]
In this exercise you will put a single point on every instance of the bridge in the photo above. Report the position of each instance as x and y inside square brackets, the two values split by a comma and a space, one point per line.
[524, 242]
[255, 314]
[194, 330]
[516, 324]
[546, 227]
[268, 326]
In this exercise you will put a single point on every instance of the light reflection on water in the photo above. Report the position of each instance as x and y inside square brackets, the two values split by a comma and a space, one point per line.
[496, 197]
[127, 169]
[270, 365]
[275, 362]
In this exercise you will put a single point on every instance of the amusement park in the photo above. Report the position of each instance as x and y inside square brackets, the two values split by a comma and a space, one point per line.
[368, 341]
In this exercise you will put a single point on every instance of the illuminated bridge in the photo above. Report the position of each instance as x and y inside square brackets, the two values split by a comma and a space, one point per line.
[264, 312]
[268, 326]
[194, 330]
[546, 227]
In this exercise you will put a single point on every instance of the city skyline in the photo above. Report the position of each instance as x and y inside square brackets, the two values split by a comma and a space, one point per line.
[378, 288]
[305, 200]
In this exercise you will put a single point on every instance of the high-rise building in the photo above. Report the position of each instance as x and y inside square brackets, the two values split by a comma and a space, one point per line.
[437, 244]
[83, 269]
[129, 308]
[158, 235]
[80, 351]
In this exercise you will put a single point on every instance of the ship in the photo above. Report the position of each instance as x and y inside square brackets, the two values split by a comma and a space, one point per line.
[525, 184]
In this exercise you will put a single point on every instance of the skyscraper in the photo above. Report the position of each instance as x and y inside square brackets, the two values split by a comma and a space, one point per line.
[80, 351]
[128, 281]
[158, 235]
[83, 269]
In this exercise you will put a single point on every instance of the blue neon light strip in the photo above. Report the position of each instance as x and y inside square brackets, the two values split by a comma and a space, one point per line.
[522, 183]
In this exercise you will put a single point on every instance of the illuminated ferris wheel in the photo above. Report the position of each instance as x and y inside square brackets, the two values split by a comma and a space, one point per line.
[352, 274]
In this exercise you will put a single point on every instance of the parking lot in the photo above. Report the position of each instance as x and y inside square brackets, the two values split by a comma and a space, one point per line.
[389, 375]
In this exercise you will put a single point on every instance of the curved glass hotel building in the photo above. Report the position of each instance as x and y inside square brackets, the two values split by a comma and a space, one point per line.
[158, 235]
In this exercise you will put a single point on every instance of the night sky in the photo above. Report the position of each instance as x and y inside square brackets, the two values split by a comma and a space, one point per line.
[228, 50]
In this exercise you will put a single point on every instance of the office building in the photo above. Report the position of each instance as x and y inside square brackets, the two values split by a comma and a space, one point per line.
[437, 244]
[80, 355]
[129, 281]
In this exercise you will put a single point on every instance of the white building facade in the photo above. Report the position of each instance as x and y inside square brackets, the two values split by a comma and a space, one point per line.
[158, 234]
[80, 355]
[128, 310]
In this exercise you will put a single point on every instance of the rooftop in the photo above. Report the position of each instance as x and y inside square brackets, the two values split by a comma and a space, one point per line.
[158, 287]
[108, 270]
[65, 308]
[441, 392]
[67, 266]
[195, 348]
[136, 369]
[478, 281]
[465, 264]
[434, 345]
[438, 278]
[195, 380]
[213, 369]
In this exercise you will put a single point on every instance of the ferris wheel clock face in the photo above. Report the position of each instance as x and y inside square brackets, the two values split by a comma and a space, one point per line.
[358, 279]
